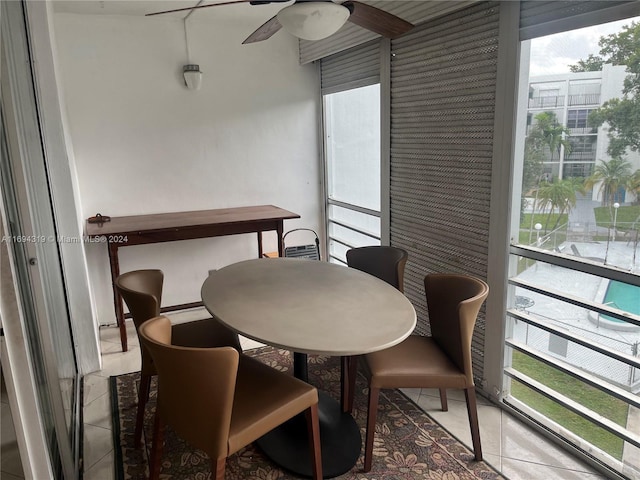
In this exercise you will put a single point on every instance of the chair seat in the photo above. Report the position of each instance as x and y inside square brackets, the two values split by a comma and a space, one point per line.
[417, 362]
[264, 399]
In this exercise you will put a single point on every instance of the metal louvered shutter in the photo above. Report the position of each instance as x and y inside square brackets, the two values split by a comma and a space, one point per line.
[356, 67]
[443, 92]
[538, 18]
[351, 35]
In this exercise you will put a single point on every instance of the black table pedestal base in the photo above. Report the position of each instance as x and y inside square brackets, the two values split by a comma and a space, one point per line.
[288, 445]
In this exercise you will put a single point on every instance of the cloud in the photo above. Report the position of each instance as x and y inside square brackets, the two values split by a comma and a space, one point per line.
[554, 53]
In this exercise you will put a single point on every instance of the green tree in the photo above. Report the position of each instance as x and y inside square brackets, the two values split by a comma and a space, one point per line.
[613, 174]
[633, 185]
[559, 196]
[546, 133]
[621, 114]
[593, 63]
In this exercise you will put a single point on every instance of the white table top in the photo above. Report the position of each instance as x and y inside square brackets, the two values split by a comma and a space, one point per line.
[309, 306]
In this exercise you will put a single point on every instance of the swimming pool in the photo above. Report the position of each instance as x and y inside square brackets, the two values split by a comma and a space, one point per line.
[623, 297]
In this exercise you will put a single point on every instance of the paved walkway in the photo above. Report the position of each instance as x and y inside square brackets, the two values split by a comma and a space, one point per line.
[583, 212]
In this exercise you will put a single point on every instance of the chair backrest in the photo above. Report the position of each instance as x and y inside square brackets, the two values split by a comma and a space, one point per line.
[195, 387]
[142, 292]
[453, 302]
[386, 263]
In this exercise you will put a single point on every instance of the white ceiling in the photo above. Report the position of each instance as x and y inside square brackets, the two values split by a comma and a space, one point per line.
[142, 7]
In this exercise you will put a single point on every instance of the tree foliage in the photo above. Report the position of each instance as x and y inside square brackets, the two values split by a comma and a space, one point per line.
[547, 136]
[593, 63]
[621, 114]
[548, 132]
[560, 196]
[614, 174]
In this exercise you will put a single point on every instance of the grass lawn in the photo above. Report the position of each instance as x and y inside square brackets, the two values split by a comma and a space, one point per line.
[592, 398]
[541, 218]
[626, 216]
[526, 237]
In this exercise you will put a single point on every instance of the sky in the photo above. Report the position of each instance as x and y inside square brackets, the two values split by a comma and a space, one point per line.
[554, 53]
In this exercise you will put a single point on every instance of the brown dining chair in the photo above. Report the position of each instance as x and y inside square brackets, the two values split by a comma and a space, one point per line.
[220, 401]
[142, 292]
[386, 263]
[442, 360]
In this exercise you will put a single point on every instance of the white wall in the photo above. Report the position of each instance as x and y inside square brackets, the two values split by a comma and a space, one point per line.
[145, 144]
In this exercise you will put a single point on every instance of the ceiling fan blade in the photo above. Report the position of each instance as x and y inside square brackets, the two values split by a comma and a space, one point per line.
[377, 20]
[264, 31]
[231, 2]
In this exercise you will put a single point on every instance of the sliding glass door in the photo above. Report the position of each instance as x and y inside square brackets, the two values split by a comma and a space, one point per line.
[573, 328]
[41, 324]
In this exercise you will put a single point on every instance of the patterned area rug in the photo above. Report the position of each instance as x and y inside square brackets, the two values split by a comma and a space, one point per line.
[409, 444]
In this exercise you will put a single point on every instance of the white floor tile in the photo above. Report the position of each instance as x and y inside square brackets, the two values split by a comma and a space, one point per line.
[248, 344]
[98, 442]
[523, 470]
[98, 412]
[103, 469]
[94, 386]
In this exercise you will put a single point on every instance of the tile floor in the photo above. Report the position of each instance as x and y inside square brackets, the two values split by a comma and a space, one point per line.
[519, 452]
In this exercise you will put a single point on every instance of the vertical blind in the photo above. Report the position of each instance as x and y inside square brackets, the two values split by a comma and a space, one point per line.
[443, 91]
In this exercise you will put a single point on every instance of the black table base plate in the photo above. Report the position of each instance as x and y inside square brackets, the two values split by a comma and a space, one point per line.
[288, 445]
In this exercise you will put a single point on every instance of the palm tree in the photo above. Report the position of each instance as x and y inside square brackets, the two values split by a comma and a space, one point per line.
[633, 185]
[613, 174]
[560, 196]
[546, 132]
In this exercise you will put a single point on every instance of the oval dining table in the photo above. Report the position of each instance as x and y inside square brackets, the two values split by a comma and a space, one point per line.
[310, 307]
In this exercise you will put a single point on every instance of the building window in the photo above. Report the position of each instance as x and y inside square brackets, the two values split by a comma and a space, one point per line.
[578, 118]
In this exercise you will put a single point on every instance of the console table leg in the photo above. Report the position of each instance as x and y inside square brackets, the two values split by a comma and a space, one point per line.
[117, 301]
[280, 232]
[259, 244]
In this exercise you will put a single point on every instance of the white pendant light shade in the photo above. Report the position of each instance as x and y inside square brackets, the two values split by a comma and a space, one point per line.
[192, 76]
[313, 20]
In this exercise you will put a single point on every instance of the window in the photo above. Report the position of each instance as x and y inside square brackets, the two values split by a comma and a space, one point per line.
[352, 152]
[573, 326]
[583, 149]
[578, 118]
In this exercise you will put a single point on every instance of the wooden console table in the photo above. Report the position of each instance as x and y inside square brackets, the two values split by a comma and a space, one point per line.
[171, 227]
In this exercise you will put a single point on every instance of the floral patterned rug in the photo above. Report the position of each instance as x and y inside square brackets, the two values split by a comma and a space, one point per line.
[409, 444]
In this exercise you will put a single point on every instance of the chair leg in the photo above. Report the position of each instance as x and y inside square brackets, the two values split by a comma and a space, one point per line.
[472, 409]
[348, 373]
[313, 427]
[344, 383]
[443, 400]
[155, 462]
[371, 427]
[143, 396]
[217, 468]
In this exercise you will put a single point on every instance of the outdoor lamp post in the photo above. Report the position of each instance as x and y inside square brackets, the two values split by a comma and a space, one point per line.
[538, 227]
[615, 218]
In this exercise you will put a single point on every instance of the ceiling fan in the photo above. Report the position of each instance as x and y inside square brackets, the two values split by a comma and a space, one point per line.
[317, 19]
